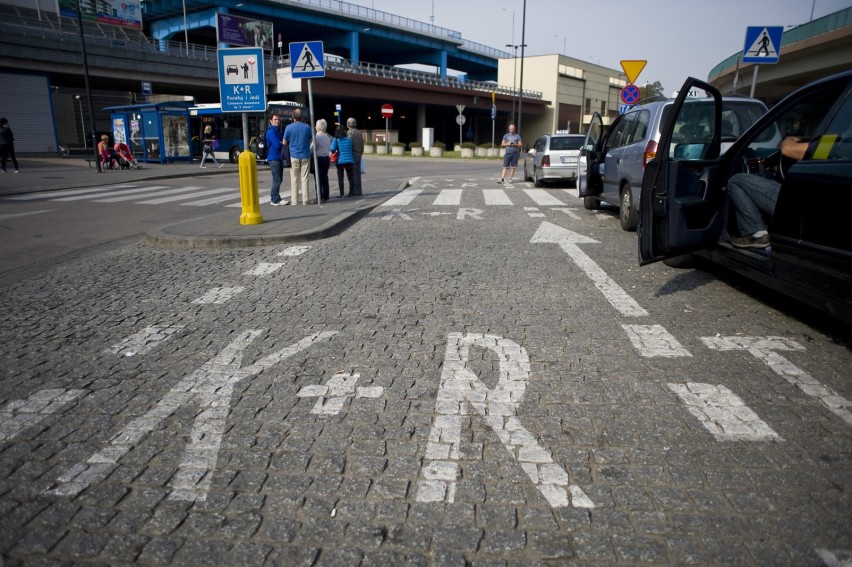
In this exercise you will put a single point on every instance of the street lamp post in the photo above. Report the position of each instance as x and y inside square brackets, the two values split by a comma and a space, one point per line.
[514, 77]
[82, 121]
[523, 45]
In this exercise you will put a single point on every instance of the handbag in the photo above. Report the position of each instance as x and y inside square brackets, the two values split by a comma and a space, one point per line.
[333, 156]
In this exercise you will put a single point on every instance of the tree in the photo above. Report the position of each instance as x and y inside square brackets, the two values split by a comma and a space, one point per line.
[649, 90]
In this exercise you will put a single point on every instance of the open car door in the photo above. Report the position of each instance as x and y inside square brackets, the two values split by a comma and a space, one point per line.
[589, 180]
[682, 198]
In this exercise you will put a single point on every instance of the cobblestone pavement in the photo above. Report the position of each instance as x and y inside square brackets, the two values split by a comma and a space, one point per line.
[449, 382]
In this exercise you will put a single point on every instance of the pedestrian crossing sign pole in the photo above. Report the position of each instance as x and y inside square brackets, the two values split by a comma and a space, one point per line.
[307, 61]
[762, 47]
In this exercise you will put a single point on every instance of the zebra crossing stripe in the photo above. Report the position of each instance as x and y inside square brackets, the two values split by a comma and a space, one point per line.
[403, 199]
[20, 414]
[496, 197]
[448, 197]
[155, 194]
[109, 192]
[190, 196]
[220, 198]
[49, 194]
[543, 198]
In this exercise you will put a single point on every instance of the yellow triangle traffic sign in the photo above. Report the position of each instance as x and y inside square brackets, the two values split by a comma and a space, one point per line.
[632, 68]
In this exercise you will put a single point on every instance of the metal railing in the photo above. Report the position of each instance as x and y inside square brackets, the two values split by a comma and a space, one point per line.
[413, 76]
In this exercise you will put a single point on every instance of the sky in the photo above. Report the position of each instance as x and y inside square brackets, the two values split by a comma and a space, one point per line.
[678, 38]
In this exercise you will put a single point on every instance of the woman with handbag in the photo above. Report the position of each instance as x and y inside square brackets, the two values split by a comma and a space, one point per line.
[323, 151]
[342, 145]
[207, 147]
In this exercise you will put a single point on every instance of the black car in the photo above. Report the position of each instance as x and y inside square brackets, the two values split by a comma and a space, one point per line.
[685, 209]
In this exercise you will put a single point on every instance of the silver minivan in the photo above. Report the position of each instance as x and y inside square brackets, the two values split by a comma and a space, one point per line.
[617, 158]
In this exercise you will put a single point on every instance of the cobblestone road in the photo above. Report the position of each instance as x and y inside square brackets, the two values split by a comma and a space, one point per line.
[452, 381]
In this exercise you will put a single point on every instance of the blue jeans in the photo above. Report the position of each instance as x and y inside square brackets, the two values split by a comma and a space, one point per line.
[754, 199]
[277, 169]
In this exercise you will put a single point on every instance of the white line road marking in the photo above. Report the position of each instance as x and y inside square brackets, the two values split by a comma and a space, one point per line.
[234, 193]
[496, 197]
[435, 214]
[126, 192]
[403, 199]
[47, 194]
[20, 414]
[568, 211]
[332, 395]
[835, 557]
[18, 215]
[654, 340]
[264, 269]
[722, 412]
[763, 348]
[154, 194]
[294, 250]
[218, 295]
[145, 340]
[472, 213]
[572, 192]
[534, 212]
[568, 241]
[461, 388]
[209, 388]
[542, 198]
[448, 198]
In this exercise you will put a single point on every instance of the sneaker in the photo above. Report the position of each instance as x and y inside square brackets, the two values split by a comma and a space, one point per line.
[278, 204]
[510, 181]
[17, 171]
[750, 241]
[220, 165]
[501, 180]
[203, 167]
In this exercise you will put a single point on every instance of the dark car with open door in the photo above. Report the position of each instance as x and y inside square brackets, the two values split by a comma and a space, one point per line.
[684, 208]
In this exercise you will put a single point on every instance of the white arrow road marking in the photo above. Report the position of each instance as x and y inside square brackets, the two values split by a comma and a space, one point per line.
[218, 295]
[534, 212]
[397, 213]
[722, 412]
[568, 240]
[764, 349]
[145, 340]
[332, 395]
[654, 340]
[18, 215]
[835, 557]
[20, 414]
[461, 388]
[208, 388]
[403, 199]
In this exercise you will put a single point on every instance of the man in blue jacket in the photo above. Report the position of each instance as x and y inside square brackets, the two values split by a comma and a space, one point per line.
[273, 158]
[297, 138]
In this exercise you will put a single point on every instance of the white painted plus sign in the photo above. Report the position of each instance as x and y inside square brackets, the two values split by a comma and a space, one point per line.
[332, 395]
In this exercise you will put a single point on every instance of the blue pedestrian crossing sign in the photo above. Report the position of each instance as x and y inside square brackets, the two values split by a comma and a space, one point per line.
[307, 60]
[762, 44]
[241, 82]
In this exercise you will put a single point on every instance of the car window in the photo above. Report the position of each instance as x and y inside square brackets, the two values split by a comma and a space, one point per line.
[539, 144]
[619, 137]
[566, 143]
[639, 127]
[836, 142]
[803, 119]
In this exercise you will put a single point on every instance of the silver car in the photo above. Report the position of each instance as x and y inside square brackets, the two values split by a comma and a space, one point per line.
[553, 157]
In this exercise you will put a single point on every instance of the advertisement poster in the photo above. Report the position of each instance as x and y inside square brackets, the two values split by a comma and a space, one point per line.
[176, 135]
[126, 13]
[244, 32]
[119, 131]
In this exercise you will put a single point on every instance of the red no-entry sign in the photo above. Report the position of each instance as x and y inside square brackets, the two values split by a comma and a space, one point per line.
[387, 111]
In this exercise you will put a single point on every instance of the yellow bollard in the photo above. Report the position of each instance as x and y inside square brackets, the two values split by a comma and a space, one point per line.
[248, 189]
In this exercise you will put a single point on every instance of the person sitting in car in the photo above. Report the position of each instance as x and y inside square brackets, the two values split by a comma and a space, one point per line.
[754, 198]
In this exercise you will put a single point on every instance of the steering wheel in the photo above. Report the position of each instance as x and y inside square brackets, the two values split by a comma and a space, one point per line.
[767, 165]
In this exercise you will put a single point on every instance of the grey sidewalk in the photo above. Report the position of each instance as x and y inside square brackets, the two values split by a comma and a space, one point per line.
[218, 230]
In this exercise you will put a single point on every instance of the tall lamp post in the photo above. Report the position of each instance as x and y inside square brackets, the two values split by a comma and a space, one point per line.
[514, 77]
[523, 45]
[82, 121]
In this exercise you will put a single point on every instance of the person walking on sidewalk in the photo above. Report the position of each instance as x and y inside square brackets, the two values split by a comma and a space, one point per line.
[207, 147]
[357, 154]
[512, 142]
[7, 145]
[323, 150]
[297, 138]
[275, 159]
[343, 146]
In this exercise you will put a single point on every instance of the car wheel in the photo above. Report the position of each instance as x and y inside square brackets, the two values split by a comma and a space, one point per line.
[591, 203]
[683, 261]
[234, 154]
[627, 214]
[537, 181]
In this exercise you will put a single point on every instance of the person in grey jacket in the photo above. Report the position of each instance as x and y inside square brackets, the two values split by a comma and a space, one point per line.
[7, 145]
[357, 152]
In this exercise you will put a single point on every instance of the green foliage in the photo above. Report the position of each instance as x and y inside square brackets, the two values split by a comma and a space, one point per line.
[441, 145]
[468, 145]
[413, 145]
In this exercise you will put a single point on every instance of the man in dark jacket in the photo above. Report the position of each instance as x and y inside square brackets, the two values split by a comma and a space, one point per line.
[357, 151]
